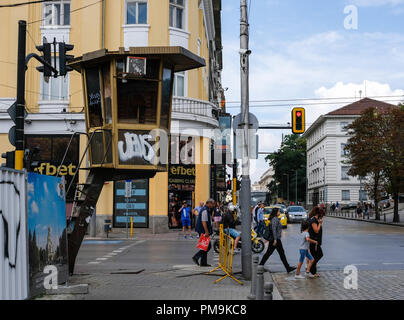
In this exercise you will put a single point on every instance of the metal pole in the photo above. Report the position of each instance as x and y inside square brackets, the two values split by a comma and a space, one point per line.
[127, 235]
[296, 191]
[235, 182]
[20, 103]
[245, 194]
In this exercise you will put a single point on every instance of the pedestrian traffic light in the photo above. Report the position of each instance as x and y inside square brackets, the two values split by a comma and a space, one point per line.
[298, 120]
[45, 48]
[10, 159]
[228, 185]
[64, 58]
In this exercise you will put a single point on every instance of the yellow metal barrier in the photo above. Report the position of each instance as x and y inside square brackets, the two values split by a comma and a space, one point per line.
[226, 256]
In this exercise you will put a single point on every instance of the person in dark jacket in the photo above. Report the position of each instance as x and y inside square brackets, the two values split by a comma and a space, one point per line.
[316, 233]
[204, 226]
[275, 241]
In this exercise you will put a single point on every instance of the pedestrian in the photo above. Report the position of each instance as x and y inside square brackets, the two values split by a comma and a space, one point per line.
[304, 250]
[204, 226]
[316, 233]
[186, 219]
[275, 241]
[337, 206]
[255, 214]
[260, 220]
[217, 215]
[366, 212]
[229, 227]
[333, 207]
[359, 210]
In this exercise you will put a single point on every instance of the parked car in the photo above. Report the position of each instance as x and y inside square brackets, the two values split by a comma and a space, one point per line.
[349, 206]
[296, 214]
[282, 217]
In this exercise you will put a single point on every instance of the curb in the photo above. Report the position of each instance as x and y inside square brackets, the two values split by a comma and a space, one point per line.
[276, 293]
[369, 221]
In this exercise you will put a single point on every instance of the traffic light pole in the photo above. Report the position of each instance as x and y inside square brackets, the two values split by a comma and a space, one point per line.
[245, 194]
[20, 103]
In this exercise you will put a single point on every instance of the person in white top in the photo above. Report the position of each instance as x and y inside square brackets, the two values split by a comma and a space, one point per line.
[304, 250]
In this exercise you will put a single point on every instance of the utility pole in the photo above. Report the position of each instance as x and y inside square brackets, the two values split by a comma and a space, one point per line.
[245, 194]
[296, 190]
[20, 103]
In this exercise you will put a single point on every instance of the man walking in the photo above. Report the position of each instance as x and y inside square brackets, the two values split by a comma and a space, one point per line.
[204, 226]
[260, 220]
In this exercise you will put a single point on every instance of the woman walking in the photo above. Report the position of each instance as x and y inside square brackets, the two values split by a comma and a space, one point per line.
[316, 233]
[274, 241]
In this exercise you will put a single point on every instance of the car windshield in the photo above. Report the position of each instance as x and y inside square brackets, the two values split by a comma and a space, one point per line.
[296, 209]
[257, 197]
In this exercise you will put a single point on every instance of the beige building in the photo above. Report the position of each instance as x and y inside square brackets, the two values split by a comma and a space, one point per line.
[55, 105]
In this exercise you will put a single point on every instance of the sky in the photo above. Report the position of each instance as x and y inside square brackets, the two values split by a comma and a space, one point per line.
[311, 49]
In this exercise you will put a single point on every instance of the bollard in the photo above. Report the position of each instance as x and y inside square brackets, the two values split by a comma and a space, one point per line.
[260, 283]
[385, 217]
[268, 289]
[252, 295]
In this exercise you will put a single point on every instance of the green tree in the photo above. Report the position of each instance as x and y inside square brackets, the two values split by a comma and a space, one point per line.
[286, 162]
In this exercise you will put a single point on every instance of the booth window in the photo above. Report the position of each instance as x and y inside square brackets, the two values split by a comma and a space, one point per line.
[179, 84]
[106, 79]
[137, 95]
[166, 97]
[94, 97]
[136, 12]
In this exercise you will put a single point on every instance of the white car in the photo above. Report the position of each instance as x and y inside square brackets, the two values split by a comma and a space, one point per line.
[296, 214]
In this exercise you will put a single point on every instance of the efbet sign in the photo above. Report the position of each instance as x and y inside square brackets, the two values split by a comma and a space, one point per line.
[182, 174]
[48, 169]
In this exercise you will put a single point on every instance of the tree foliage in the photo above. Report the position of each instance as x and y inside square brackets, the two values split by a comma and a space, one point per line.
[290, 157]
[376, 151]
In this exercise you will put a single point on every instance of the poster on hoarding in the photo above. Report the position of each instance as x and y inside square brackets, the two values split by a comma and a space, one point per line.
[47, 237]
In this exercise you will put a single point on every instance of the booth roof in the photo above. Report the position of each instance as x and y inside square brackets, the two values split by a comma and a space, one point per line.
[181, 58]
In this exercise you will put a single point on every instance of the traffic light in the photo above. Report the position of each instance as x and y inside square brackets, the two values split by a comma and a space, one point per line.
[10, 159]
[64, 58]
[298, 120]
[45, 48]
[228, 185]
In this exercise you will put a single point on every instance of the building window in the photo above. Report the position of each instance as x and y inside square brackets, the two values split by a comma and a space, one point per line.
[179, 84]
[346, 195]
[344, 151]
[344, 173]
[363, 196]
[344, 126]
[136, 12]
[57, 13]
[55, 89]
[177, 8]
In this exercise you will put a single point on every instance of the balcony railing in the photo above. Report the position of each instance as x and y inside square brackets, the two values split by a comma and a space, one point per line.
[195, 107]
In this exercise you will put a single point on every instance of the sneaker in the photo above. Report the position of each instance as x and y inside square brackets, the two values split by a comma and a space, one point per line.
[299, 276]
[309, 275]
[205, 265]
[236, 251]
[291, 269]
[185, 237]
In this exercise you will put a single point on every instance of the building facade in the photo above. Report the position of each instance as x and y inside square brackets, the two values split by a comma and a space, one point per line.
[327, 174]
[265, 180]
[55, 105]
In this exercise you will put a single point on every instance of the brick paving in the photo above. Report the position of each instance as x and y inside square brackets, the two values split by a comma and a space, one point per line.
[372, 285]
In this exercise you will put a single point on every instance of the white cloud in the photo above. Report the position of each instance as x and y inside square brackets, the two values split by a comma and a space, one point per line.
[376, 3]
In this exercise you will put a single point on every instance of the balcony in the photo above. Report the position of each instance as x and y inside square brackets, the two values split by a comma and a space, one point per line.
[192, 113]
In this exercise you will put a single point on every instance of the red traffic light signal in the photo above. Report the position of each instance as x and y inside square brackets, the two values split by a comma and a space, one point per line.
[298, 120]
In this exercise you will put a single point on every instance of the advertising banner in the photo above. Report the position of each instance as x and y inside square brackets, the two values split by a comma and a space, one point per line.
[47, 237]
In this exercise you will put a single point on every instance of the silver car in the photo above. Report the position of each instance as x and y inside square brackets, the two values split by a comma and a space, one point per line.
[296, 214]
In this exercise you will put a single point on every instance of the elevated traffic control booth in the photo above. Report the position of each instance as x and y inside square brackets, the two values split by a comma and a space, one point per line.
[127, 102]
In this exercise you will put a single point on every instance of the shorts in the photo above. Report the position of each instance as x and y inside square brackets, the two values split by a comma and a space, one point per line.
[232, 233]
[186, 222]
[304, 253]
[217, 219]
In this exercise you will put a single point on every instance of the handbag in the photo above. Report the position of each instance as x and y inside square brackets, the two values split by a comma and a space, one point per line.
[268, 235]
[203, 242]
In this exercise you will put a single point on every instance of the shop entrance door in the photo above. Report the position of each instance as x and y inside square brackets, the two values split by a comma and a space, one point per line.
[175, 198]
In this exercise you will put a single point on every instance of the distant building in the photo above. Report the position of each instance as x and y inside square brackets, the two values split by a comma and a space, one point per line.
[265, 179]
[328, 179]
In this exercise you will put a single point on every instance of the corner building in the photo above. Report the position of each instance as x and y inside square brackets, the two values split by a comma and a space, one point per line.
[55, 105]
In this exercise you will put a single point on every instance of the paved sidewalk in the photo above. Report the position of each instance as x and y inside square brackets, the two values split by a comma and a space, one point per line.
[372, 285]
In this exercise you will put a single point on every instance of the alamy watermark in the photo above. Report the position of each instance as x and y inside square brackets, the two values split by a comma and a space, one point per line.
[51, 280]
[351, 280]
[351, 21]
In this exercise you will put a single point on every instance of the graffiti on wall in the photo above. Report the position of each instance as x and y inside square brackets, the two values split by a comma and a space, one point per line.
[11, 230]
[136, 146]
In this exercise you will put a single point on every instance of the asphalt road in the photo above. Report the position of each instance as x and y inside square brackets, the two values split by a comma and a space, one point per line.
[366, 245]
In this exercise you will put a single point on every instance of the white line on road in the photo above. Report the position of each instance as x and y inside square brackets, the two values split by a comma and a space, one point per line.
[94, 262]
[392, 263]
[101, 259]
[117, 251]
